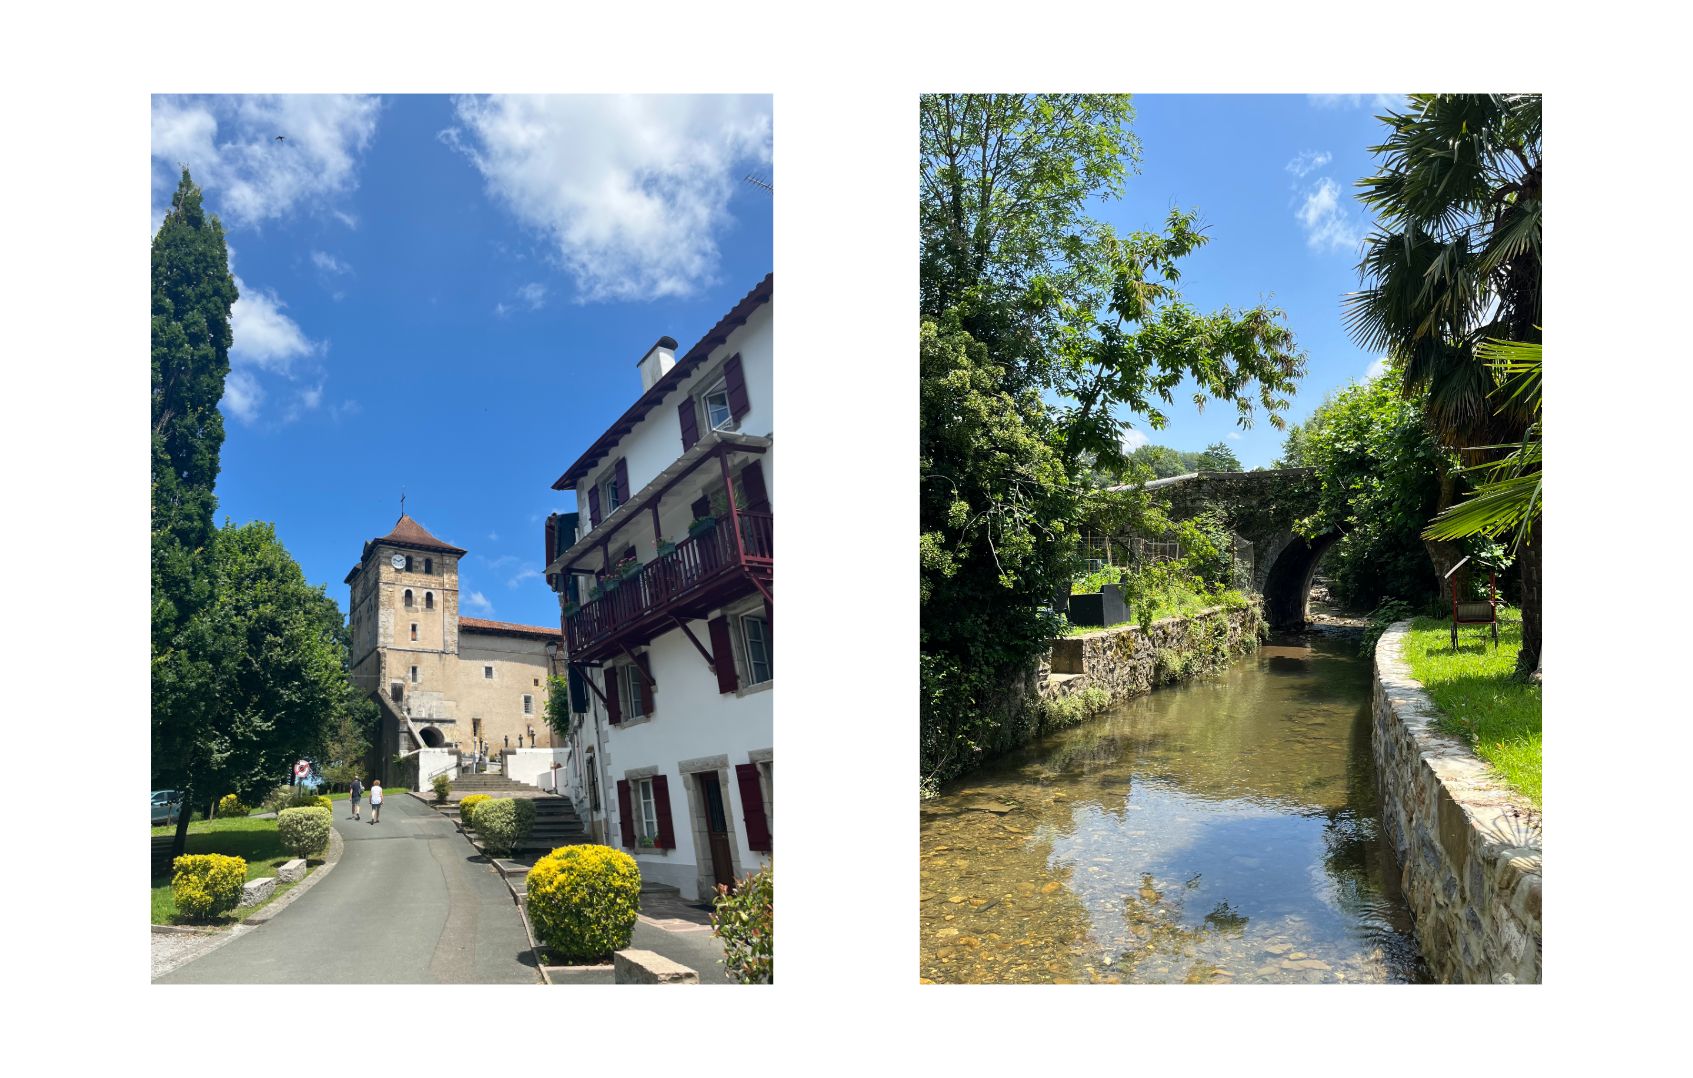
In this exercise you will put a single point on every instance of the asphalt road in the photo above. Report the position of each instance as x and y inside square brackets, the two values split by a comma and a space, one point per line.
[407, 904]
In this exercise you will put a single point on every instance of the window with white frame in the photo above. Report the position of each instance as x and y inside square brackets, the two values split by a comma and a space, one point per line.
[755, 646]
[528, 704]
[646, 809]
[714, 404]
[629, 682]
[609, 500]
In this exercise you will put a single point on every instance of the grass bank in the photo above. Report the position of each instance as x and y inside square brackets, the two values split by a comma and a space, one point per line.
[1175, 599]
[1477, 697]
[251, 838]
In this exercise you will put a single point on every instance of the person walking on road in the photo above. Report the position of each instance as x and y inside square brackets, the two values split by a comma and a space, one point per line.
[375, 800]
[354, 792]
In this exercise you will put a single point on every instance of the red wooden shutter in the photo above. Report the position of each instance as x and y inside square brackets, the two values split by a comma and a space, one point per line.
[593, 507]
[752, 807]
[736, 383]
[613, 704]
[723, 656]
[666, 839]
[690, 423]
[752, 482]
[625, 814]
[622, 480]
[646, 684]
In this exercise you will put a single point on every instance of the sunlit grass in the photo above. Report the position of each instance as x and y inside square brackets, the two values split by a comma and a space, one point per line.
[1477, 696]
[1178, 598]
[244, 836]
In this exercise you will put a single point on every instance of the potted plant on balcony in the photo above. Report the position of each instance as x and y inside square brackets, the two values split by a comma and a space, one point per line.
[702, 525]
[665, 547]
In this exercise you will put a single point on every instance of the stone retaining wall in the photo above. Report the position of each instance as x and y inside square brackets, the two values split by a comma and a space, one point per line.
[1127, 662]
[1468, 846]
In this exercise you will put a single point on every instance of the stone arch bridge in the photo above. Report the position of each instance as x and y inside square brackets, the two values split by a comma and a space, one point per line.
[1262, 508]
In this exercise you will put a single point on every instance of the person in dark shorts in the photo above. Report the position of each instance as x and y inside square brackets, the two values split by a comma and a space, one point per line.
[355, 792]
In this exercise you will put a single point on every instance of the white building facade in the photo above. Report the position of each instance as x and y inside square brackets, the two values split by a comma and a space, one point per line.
[665, 577]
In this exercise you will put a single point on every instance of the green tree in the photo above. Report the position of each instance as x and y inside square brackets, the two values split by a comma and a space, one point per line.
[1507, 499]
[346, 750]
[1040, 327]
[1455, 261]
[1378, 473]
[277, 650]
[192, 294]
[1218, 457]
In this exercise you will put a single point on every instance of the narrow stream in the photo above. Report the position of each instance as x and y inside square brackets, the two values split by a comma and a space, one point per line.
[1223, 831]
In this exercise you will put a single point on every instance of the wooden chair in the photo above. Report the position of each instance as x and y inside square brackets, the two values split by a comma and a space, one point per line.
[1474, 612]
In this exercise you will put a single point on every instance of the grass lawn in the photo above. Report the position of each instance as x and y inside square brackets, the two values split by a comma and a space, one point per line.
[247, 837]
[1477, 697]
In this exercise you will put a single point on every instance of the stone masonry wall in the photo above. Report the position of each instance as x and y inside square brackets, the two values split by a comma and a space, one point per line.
[1126, 662]
[1469, 847]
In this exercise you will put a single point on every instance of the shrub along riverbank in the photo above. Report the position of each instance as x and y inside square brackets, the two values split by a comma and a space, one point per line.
[1478, 698]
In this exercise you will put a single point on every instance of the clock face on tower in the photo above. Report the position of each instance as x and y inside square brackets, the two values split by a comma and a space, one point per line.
[398, 561]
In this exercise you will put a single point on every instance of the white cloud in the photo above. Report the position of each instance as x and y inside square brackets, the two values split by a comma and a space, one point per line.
[501, 310]
[1133, 439]
[328, 263]
[631, 191]
[229, 145]
[1378, 102]
[1308, 162]
[528, 572]
[533, 294]
[242, 395]
[1234, 435]
[493, 537]
[1328, 224]
[1377, 369]
[265, 337]
[476, 603]
[345, 410]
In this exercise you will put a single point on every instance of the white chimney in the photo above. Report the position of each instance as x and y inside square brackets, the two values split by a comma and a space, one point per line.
[658, 360]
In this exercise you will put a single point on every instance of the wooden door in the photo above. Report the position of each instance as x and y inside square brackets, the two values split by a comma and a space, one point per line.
[716, 827]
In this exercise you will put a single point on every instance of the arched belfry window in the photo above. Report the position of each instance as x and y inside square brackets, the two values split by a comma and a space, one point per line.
[408, 597]
[429, 600]
[428, 565]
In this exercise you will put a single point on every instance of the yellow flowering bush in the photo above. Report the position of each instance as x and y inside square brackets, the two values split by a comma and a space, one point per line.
[582, 900]
[207, 884]
[468, 804]
[303, 831]
[230, 805]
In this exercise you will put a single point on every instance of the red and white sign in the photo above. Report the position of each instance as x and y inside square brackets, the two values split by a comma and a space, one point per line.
[301, 768]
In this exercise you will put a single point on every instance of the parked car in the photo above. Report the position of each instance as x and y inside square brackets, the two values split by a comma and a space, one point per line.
[166, 805]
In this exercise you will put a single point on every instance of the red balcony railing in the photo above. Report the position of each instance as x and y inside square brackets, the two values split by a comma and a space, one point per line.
[666, 584]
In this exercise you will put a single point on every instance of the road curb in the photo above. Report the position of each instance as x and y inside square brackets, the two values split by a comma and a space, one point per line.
[522, 914]
[337, 846]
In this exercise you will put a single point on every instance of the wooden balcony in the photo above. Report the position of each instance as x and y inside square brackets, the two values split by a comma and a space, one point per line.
[703, 572]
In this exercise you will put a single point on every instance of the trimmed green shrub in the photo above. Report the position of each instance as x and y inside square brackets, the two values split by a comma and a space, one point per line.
[303, 831]
[582, 900]
[442, 786]
[468, 806]
[230, 805]
[745, 920]
[207, 884]
[504, 822]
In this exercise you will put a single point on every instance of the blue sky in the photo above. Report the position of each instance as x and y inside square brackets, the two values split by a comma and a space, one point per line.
[448, 295]
[1272, 178]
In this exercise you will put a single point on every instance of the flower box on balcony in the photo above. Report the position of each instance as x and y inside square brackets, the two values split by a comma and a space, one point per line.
[702, 525]
[629, 570]
[666, 547]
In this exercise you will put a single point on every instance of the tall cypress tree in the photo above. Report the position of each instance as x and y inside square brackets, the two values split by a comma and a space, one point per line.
[193, 293]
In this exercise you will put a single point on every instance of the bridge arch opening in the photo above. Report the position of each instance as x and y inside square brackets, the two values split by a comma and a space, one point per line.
[1287, 585]
[433, 738]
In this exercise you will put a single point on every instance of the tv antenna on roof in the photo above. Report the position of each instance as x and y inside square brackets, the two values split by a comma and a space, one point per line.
[756, 182]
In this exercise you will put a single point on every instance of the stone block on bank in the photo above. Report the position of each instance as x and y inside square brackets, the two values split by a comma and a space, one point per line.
[291, 871]
[649, 967]
[256, 891]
